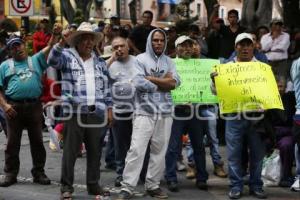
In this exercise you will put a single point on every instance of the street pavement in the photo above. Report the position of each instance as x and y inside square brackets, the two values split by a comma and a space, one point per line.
[26, 190]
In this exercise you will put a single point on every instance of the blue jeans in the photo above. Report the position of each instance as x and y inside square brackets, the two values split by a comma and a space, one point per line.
[121, 131]
[236, 131]
[195, 128]
[212, 135]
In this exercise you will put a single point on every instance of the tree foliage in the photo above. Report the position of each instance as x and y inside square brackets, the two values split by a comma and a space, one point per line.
[254, 12]
[8, 25]
[291, 13]
[209, 4]
[70, 13]
[78, 17]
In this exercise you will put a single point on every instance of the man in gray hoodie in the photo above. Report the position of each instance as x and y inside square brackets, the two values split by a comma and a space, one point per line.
[152, 121]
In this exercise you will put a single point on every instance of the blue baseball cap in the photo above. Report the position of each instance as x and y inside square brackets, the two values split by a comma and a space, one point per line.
[12, 41]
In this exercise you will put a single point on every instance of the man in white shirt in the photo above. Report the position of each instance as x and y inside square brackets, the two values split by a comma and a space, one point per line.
[275, 45]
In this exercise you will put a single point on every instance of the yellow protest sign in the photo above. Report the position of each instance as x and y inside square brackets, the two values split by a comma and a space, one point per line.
[246, 86]
[195, 81]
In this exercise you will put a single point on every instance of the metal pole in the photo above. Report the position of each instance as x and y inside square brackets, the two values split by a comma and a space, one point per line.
[118, 7]
[61, 14]
[25, 23]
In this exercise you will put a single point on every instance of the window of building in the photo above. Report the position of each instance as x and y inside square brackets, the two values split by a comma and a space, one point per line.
[240, 12]
[222, 12]
[199, 9]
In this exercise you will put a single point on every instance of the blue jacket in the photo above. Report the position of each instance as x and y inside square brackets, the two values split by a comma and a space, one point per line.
[74, 93]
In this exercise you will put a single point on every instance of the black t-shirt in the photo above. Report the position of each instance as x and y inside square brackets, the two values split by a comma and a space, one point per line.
[139, 36]
[213, 44]
[228, 39]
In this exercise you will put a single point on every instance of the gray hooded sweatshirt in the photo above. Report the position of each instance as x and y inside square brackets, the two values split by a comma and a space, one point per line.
[149, 100]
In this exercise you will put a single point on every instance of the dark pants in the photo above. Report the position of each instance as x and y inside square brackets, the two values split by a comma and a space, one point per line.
[29, 116]
[286, 148]
[3, 121]
[74, 135]
[110, 153]
[195, 128]
[122, 131]
[280, 68]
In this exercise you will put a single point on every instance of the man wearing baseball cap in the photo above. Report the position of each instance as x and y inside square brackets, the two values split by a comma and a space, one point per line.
[239, 128]
[20, 91]
[194, 127]
[244, 48]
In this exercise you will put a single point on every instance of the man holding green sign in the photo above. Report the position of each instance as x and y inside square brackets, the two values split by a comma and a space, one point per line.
[191, 117]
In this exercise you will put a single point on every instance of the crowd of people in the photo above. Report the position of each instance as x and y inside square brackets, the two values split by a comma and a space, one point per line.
[116, 81]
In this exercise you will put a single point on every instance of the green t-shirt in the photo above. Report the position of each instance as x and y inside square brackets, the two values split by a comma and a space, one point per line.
[24, 83]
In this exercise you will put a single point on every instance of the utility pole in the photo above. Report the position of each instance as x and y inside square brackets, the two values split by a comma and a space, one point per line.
[118, 7]
[25, 23]
[61, 13]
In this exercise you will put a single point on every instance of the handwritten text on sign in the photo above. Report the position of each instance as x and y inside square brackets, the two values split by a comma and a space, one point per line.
[195, 81]
[246, 86]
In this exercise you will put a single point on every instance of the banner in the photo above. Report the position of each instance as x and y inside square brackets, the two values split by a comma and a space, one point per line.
[246, 86]
[195, 81]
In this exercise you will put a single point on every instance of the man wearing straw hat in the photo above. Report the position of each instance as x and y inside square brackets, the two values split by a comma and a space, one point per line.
[86, 104]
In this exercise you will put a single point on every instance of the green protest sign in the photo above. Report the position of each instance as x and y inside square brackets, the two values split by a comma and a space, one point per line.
[195, 81]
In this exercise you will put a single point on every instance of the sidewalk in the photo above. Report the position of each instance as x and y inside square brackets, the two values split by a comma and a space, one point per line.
[25, 189]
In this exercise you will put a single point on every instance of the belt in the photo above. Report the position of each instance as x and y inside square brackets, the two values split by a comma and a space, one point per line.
[277, 60]
[91, 108]
[24, 100]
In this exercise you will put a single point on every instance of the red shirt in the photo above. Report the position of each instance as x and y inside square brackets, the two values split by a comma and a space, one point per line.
[40, 40]
[50, 93]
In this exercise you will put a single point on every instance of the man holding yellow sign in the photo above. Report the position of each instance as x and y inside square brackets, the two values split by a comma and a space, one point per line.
[245, 89]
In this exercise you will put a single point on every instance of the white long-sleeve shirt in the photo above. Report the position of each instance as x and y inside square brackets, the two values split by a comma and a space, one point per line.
[275, 49]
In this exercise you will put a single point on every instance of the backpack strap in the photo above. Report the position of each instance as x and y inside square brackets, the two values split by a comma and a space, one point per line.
[12, 68]
[30, 65]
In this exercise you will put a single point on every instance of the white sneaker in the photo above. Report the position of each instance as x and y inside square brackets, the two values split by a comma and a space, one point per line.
[296, 185]
[180, 166]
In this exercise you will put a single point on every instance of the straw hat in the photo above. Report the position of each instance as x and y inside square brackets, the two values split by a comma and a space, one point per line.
[107, 52]
[84, 28]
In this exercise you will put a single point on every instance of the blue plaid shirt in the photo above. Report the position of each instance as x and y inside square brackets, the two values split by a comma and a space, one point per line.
[74, 94]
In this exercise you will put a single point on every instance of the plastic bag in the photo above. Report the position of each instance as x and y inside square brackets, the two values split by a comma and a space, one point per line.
[271, 171]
